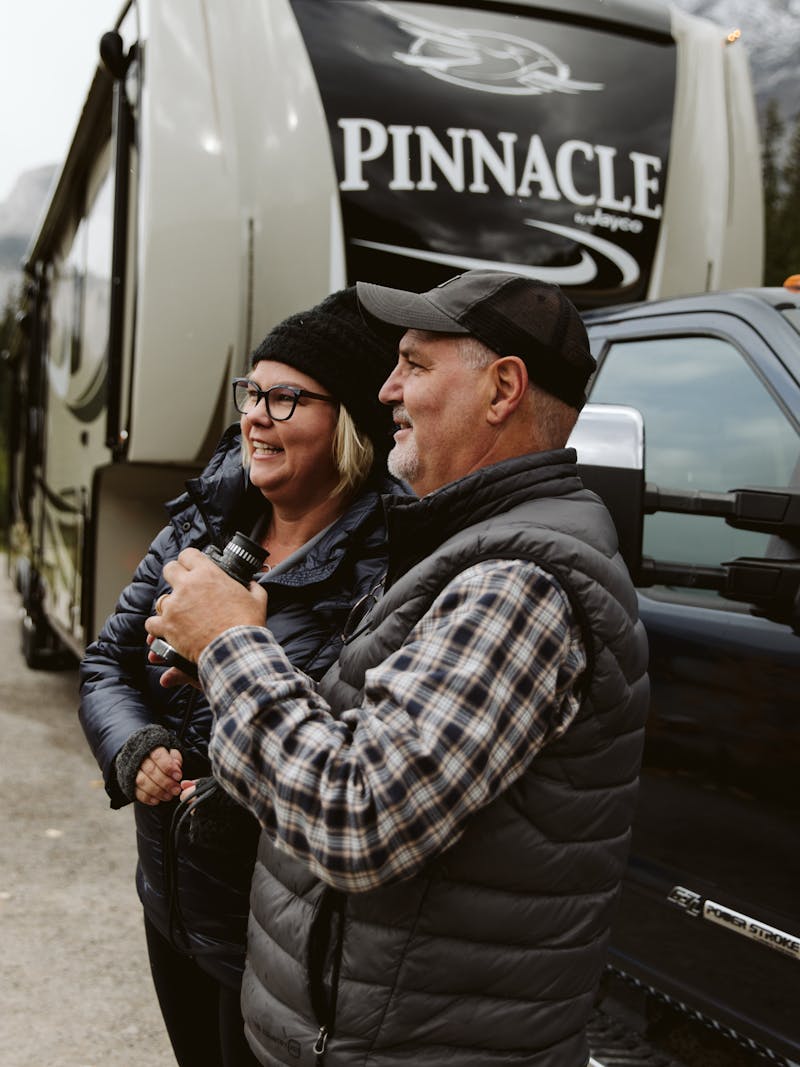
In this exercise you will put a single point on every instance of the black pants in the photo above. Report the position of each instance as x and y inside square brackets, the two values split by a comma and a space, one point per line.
[202, 1016]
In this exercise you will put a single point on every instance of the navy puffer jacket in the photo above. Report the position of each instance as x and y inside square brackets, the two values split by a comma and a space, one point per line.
[120, 692]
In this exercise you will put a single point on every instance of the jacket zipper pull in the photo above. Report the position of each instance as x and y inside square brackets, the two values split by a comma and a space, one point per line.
[321, 1042]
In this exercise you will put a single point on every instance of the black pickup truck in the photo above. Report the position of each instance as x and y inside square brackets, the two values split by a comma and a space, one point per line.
[707, 941]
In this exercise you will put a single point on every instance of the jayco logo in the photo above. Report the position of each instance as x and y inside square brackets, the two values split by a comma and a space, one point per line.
[486, 60]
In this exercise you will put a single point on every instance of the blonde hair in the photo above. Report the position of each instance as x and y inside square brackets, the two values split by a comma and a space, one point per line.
[353, 454]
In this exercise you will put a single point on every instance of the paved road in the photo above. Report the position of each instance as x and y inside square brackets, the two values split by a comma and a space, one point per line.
[75, 989]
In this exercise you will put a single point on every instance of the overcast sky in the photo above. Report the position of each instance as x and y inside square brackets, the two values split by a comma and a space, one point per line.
[48, 55]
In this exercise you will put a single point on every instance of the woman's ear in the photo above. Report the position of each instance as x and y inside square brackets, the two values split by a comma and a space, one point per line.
[509, 387]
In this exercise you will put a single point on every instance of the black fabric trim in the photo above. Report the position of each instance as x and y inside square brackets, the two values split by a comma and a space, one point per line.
[559, 377]
[139, 745]
[417, 527]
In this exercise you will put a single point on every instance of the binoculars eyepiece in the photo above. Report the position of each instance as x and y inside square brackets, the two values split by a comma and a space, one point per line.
[241, 558]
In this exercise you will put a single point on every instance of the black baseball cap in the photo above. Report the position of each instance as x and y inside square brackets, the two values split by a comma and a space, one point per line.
[511, 314]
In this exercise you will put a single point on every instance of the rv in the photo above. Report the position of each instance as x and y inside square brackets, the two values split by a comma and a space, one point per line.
[233, 163]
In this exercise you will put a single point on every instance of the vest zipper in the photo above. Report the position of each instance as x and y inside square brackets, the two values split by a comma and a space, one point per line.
[321, 1043]
[326, 1016]
[359, 612]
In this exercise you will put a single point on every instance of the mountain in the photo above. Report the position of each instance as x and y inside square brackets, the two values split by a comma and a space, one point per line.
[19, 215]
[771, 35]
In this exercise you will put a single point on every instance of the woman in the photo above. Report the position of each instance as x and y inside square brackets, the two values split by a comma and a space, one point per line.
[312, 439]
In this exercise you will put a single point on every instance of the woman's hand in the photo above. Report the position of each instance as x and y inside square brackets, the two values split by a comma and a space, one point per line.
[159, 776]
[188, 786]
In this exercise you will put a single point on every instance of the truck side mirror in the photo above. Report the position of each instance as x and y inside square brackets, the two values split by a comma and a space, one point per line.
[609, 440]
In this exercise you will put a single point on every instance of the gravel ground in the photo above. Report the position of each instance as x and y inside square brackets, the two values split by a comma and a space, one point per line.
[76, 988]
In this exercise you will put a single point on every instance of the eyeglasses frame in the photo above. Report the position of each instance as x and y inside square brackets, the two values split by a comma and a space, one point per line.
[263, 394]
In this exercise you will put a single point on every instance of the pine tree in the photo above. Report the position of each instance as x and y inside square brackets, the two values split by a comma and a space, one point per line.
[774, 256]
[789, 214]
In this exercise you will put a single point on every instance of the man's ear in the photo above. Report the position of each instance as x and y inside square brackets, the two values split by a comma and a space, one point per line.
[509, 386]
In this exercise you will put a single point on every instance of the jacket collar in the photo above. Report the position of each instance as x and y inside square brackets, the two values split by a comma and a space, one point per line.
[325, 554]
[202, 513]
[417, 527]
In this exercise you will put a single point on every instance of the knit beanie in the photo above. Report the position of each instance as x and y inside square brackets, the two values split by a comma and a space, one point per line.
[332, 343]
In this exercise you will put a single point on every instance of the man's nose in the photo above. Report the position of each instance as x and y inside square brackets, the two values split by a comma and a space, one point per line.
[391, 391]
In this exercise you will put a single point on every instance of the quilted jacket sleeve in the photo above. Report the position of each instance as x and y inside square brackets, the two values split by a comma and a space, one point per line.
[114, 701]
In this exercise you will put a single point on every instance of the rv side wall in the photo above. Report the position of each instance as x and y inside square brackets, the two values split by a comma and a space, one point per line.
[712, 235]
[238, 215]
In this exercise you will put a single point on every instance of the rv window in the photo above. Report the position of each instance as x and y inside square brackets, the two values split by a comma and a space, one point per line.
[97, 285]
[80, 300]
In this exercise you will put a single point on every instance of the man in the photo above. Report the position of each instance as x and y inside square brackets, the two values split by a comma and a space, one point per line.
[448, 815]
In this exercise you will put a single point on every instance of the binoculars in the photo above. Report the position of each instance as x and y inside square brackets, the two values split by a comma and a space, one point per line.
[241, 558]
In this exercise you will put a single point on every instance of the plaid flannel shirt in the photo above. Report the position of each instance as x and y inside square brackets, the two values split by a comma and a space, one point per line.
[447, 723]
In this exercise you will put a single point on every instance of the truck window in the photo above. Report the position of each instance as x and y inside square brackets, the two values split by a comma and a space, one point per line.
[711, 424]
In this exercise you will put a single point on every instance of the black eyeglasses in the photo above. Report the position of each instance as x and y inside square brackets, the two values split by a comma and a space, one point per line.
[280, 400]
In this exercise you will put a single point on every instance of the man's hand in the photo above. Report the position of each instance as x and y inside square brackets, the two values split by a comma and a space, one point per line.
[159, 776]
[204, 602]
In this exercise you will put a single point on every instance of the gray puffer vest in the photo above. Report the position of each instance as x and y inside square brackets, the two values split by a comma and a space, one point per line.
[491, 955]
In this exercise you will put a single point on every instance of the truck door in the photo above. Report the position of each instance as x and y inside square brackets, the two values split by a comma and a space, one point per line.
[710, 913]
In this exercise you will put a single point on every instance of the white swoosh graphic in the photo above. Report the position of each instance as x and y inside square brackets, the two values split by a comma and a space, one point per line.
[628, 266]
[579, 274]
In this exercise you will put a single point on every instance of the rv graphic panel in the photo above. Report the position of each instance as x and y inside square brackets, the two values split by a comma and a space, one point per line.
[466, 138]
